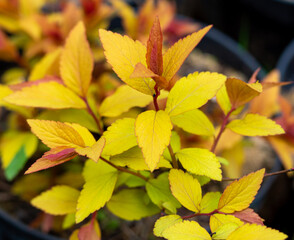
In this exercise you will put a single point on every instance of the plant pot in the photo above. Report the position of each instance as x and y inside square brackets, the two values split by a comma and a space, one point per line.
[12, 229]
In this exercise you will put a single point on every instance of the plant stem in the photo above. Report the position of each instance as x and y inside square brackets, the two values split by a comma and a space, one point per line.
[201, 214]
[173, 157]
[155, 96]
[90, 111]
[223, 127]
[265, 175]
[124, 169]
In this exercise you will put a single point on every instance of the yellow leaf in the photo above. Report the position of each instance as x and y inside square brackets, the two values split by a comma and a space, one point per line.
[224, 231]
[100, 179]
[186, 189]
[47, 66]
[186, 230]
[87, 137]
[255, 125]
[240, 92]
[164, 223]
[194, 121]
[200, 162]
[209, 202]
[153, 131]
[132, 204]
[240, 193]
[193, 91]
[133, 158]
[76, 64]
[120, 136]
[56, 134]
[218, 220]
[122, 100]
[59, 200]
[46, 95]
[256, 232]
[123, 53]
[93, 152]
[176, 55]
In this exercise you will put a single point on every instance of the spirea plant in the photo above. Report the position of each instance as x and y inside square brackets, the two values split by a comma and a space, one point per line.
[136, 167]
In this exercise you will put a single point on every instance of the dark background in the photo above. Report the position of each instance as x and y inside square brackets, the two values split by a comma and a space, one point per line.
[263, 27]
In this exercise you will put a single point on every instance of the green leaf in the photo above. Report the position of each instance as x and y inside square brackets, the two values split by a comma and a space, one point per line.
[100, 179]
[186, 189]
[200, 162]
[175, 143]
[194, 121]
[193, 91]
[132, 204]
[209, 202]
[255, 125]
[160, 193]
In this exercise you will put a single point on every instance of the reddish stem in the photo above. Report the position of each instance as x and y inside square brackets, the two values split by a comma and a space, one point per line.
[155, 96]
[223, 127]
[90, 111]
[124, 169]
[201, 214]
[265, 175]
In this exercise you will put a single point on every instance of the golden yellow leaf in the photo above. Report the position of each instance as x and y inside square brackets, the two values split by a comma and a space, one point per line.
[240, 92]
[194, 121]
[59, 200]
[217, 220]
[255, 125]
[186, 230]
[200, 162]
[256, 232]
[240, 193]
[123, 53]
[176, 55]
[46, 95]
[193, 91]
[93, 152]
[164, 223]
[186, 189]
[76, 63]
[56, 134]
[153, 131]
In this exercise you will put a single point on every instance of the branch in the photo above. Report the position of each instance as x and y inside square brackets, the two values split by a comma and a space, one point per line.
[174, 160]
[124, 169]
[223, 127]
[265, 175]
[90, 111]
[155, 96]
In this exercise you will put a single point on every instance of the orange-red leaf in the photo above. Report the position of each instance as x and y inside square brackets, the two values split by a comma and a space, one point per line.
[154, 49]
[249, 216]
[52, 158]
